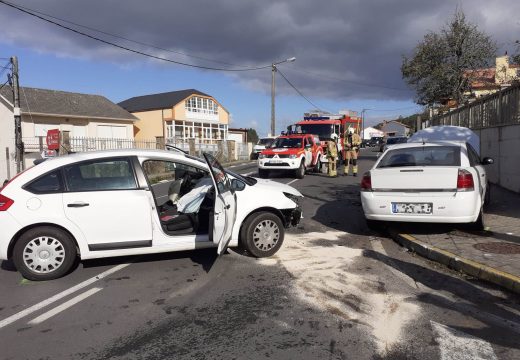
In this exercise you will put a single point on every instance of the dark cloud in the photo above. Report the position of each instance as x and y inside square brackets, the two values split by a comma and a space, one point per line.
[359, 42]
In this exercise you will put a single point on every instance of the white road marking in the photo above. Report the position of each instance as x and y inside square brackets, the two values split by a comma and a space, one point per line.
[456, 345]
[249, 173]
[64, 306]
[292, 181]
[59, 296]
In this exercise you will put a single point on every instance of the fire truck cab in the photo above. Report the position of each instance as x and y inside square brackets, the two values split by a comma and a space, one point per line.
[324, 125]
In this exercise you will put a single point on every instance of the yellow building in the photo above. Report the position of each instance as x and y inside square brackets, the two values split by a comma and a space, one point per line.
[489, 80]
[178, 116]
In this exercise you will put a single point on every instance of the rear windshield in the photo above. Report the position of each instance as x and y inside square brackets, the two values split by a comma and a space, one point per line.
[399, 140]
[421, 156]
[287, 143]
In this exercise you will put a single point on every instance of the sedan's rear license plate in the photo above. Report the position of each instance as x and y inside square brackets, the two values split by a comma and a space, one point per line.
[412, 208]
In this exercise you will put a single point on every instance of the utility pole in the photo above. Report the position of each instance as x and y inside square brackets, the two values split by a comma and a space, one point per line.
[17, 116]
[273, 72]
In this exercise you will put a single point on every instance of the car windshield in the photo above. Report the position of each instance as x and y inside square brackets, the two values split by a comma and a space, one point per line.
[266, 142]
[421, 156]
[287, 143]
[397, 140]
[323, 131]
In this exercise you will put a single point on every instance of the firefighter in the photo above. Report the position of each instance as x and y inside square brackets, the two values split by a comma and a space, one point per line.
[352, 143]
[332, 155]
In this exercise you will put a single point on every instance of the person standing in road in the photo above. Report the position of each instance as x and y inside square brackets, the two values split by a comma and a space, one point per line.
[332, 155]
[352, 142]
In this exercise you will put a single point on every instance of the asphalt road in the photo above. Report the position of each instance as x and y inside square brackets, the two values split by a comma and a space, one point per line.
[334, 291]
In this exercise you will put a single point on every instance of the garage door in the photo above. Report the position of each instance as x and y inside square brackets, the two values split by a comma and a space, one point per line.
[111, 132]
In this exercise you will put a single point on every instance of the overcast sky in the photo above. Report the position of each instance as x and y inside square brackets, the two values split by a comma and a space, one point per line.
[348, 52]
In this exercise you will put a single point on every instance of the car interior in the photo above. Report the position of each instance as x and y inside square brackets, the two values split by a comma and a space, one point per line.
[181, 182]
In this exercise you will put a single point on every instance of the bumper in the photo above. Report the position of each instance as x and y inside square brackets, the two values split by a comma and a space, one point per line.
[284, 164]
[292, 217]
[9, 227]
[458, 207]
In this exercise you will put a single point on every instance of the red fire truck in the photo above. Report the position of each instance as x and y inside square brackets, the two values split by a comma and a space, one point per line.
[324, 125]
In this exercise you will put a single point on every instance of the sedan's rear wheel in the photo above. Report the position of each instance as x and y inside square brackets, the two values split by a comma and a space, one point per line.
[262, 234]
[479, 224]
[44, 253]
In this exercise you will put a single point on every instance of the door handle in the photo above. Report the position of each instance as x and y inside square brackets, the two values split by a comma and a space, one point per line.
[77, 205]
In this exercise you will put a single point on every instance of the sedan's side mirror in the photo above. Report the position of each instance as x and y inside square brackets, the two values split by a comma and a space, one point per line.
[237, 185]
[488, 161]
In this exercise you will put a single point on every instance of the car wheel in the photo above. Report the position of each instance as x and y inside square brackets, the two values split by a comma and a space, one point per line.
[262, 234]
[264, 174]
[375, 225]
[44, 253]
[317, 167]
[487, 196]
[300, 172]
[479, 224]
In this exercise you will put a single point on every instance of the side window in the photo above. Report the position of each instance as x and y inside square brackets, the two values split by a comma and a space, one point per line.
[47, 184]
[106, 174]
[474, 159]
[162, 171]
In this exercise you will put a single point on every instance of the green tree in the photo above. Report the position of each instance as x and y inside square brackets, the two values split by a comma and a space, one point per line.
[252, 136]
[438, 69]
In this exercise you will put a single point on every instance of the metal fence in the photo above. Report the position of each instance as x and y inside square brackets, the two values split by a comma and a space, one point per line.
[223, 150]
[498, 109]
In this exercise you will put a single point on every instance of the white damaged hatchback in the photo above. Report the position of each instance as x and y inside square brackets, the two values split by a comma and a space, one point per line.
[427, 180]
[130, 202]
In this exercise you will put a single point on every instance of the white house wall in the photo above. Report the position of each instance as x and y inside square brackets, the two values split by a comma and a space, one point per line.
[6, 141]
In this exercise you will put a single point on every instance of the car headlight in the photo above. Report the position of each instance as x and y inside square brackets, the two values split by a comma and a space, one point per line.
[261, 156]
[294, 198]
[292, 156]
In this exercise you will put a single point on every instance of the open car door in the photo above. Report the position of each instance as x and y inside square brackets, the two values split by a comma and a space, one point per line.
[225, 204]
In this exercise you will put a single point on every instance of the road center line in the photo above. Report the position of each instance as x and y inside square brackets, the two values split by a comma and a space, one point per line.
[292, 181]
[59, 296]
[64, 306]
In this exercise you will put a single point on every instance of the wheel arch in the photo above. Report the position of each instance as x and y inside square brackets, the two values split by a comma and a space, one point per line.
[32, 226]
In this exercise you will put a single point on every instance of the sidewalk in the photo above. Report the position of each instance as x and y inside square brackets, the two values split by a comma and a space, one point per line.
[492, 255]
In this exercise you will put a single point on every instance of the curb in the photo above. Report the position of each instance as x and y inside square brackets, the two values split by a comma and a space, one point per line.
[458, 263]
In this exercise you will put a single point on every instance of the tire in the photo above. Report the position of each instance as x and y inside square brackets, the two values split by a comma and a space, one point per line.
[487, 196]
[264, 174]
[317, 166]
[56, 249]
[262, 234]
[300, 172]
[374, 225]
[479, 224]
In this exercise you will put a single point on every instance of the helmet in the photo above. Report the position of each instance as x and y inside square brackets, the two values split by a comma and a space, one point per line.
[350, 130]
[334, 136]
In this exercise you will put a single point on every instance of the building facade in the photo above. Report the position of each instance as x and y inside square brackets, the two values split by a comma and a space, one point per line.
[178, 116]
[489, 80]
[82, 115]
[395, 128]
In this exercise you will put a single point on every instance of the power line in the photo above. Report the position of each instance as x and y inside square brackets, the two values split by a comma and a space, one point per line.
[1, 87]
[348, 81]
[124, 38]
[298, 91]
[127, 48]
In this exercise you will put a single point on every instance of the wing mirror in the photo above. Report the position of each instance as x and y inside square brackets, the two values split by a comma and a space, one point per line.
[488, 161]
[237, 185]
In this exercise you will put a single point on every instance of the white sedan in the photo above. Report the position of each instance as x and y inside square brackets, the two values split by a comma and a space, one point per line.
[442, 181]
[130, 202]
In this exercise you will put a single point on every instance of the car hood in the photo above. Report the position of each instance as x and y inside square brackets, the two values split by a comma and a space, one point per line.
[276, 186]
[280, 151]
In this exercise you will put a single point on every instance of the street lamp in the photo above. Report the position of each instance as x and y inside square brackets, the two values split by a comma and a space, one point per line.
[273, 71]
[363, 123]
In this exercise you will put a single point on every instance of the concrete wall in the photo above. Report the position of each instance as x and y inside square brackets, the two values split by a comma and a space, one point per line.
[502, 144]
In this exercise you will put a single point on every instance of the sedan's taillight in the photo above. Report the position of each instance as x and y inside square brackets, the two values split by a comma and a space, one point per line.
[465, 181]
[366, 182]
[5, 202]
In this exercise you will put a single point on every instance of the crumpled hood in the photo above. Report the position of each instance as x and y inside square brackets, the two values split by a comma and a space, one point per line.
[273, 185]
